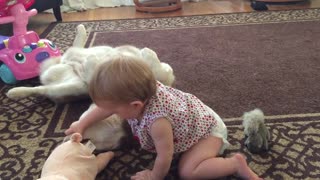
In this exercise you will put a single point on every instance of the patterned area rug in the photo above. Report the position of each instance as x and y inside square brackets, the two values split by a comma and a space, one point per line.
[233, 62]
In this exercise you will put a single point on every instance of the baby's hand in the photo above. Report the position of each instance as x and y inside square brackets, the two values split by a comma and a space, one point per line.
[74, 127]
[144, 175]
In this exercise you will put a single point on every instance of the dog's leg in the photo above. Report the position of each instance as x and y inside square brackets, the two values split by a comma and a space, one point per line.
[22, 92]
[50, 91]
[81, 36]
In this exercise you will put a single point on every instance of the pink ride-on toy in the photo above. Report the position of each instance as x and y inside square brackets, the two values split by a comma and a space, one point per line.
[22, 53]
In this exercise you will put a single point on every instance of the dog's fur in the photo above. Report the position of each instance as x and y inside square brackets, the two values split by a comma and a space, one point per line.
[66, 78]
[255, 130]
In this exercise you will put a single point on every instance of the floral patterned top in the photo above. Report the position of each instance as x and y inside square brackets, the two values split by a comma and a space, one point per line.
[191, 119]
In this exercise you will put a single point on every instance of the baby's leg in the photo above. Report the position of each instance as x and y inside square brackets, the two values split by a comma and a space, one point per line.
[200, 162]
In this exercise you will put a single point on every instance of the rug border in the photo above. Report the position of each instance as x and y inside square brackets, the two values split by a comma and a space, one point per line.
[53, 24]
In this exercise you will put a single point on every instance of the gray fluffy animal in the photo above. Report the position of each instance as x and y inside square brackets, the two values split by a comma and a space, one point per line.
[255, 130]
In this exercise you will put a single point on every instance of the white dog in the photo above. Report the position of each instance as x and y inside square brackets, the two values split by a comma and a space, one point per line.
[66, 78]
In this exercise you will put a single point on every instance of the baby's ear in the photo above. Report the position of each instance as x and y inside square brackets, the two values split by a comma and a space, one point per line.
[138, 104]
[76, 137]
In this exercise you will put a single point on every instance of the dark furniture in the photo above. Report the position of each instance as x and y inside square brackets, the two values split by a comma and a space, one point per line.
[156, 6]
[42, 5]
[280, 1]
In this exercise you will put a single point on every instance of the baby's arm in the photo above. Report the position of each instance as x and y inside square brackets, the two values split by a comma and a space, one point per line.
[92, 115]
[162, 135]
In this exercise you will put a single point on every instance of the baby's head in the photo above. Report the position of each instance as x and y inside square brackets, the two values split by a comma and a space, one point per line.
[123, 79]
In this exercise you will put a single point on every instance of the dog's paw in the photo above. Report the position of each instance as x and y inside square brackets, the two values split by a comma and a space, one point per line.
[81, 29]
[18, 92]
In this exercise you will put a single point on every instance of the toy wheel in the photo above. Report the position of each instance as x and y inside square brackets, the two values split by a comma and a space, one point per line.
[6, 75]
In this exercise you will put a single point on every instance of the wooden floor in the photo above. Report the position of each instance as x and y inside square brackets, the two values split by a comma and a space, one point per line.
[39, 22]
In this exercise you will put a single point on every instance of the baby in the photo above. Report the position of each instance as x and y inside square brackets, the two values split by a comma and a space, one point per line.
[164, 119]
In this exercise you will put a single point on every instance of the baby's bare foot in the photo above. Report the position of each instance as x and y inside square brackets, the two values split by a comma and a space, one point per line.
[243, 170]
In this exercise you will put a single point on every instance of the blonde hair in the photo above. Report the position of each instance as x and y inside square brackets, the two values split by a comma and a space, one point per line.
[122, 79]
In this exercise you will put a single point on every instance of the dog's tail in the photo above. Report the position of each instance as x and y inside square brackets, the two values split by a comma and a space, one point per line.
[252, 120]
[162, 71]
[81, 36]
